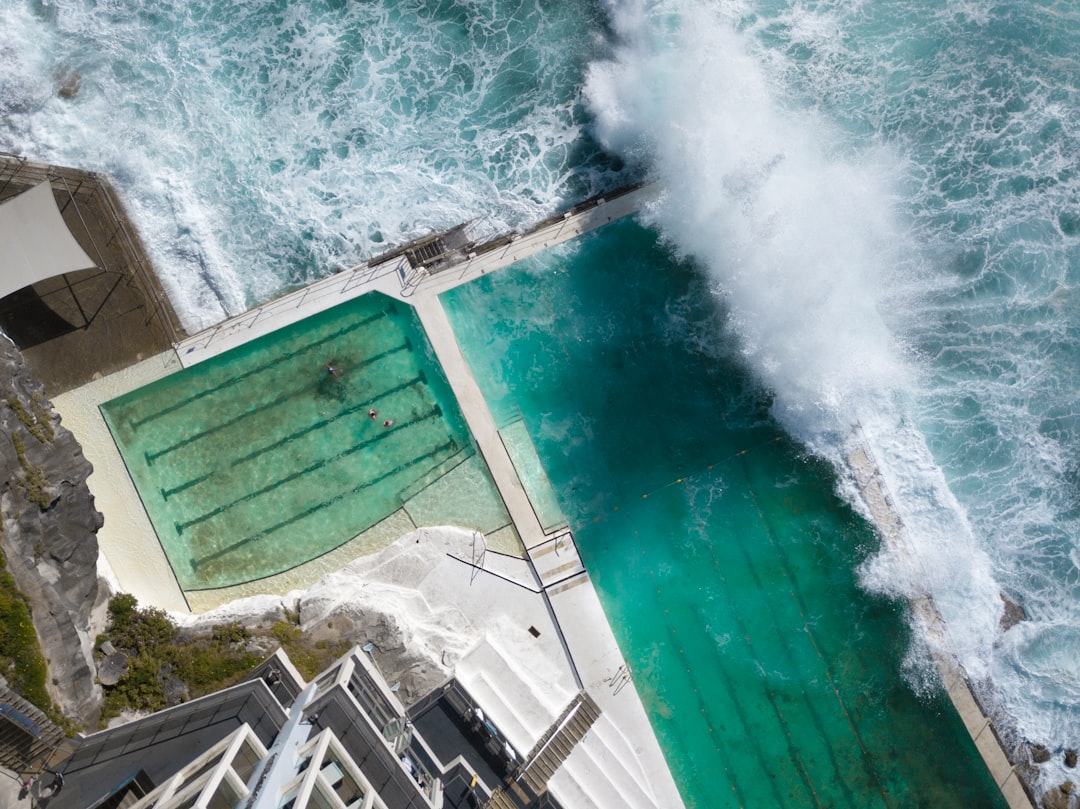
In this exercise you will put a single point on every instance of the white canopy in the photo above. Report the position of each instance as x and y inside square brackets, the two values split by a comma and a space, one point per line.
[35, 244]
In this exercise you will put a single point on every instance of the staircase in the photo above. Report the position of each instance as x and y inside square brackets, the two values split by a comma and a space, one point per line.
[530, 780]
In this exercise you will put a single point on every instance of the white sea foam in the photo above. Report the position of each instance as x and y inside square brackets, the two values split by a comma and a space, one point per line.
[262, 148]
[796, 229]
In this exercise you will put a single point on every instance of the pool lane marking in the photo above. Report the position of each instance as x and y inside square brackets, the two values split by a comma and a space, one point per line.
[868, 760]
[799, 752]
[794, 751]
[153, 456]
[167, 493]
[450, 445]
[257, 370]
[435, 412]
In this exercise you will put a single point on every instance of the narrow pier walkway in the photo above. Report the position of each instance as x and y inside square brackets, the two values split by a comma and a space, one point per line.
[397, 276]
[481, 424]
[979, 727]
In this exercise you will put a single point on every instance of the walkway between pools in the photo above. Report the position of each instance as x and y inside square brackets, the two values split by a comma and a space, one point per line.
[555, 569]
[979, 726]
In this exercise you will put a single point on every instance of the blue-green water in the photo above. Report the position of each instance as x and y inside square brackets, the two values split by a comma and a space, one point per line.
[278, 451]
[879, 201]
[720, 551]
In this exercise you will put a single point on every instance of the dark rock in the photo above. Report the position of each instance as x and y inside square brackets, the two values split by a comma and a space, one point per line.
[1012, 615]
[1039, 754]
[1070, 758]
[174, 690]
[1059, 797]
[112, 668]
[68, 83]
[49, 532]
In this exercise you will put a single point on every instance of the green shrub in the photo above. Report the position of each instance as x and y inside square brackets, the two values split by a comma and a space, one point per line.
[229, 634]
[132, 629]
[141, 689]
[21, 660]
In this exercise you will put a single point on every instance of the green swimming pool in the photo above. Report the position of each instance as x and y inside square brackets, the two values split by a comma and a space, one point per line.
[283, 449]
[724, 560]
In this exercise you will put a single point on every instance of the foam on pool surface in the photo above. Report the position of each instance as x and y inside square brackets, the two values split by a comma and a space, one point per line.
[262, 459]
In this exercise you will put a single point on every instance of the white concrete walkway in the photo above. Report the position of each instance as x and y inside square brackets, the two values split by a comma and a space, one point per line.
[396, 278]
[481, 424]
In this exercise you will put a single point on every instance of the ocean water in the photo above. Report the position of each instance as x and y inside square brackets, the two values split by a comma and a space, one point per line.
[725, 561]
[879, 199]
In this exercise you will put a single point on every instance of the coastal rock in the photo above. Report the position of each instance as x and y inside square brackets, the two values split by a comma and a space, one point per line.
[1012, 614]
[1060, 797]
[413, 644]
[259, 610]
[112, 668]
[378, 600]
[68, 83]
[1070, 758]
[1039, 754]
[50, 533]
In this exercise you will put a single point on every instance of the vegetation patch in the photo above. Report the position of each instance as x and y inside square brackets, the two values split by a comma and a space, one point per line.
[33, 480]
[36, 420]
[166, 665]
[309, 657]
[21, 660]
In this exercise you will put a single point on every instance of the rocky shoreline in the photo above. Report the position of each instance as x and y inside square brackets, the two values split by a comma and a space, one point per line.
[50, 534]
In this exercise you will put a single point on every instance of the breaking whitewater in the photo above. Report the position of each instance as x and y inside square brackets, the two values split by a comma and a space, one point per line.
[883, 195]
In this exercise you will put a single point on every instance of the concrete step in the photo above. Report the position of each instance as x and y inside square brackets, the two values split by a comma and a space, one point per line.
[600, 772]
[603, 751]
[556, 559]
[500, 800]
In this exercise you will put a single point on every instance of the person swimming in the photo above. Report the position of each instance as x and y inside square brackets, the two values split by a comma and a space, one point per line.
[372, 413]
[332, 369]
[388, 423]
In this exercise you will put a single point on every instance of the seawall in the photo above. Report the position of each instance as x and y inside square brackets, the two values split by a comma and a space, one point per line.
[979, 726]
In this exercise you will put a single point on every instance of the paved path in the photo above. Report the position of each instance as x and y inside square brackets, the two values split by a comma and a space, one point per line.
[481, 424]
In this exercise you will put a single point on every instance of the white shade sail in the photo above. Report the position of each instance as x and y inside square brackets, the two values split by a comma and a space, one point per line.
[35, 244]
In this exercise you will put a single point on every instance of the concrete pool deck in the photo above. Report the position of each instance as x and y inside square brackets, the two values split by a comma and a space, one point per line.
[128, 542]
[620, 766]
[562, 582]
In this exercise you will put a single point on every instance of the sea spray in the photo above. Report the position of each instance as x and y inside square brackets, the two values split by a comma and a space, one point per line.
[797, 231]
[262, 146]
[797, 240]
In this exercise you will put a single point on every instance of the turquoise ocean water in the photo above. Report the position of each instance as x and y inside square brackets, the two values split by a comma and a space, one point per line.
[869, 215]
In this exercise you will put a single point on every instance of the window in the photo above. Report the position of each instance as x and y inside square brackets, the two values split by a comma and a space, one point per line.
[225, 796]
[246, 759]
[319, 799]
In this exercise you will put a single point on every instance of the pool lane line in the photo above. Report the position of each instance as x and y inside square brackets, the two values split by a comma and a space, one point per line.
[795, 593]
[153, 456]
[795, 769]
[258, 369]
[794, 751]
[167, 493]
[435, 412]
[717, 738]
[807, 706]
[450, 445]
